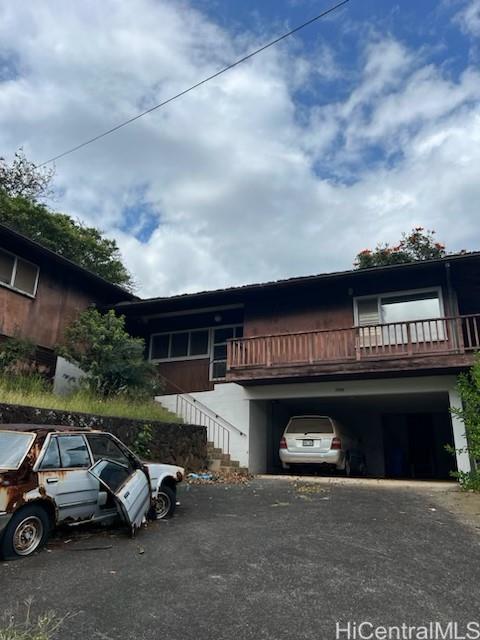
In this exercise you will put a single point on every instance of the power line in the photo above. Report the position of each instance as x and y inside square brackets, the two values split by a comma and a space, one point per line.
[195, 86]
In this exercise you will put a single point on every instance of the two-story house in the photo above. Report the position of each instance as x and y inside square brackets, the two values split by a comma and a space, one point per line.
[41, 292]
[379, 349]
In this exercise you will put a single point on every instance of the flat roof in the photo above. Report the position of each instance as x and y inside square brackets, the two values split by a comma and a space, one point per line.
[298, 280]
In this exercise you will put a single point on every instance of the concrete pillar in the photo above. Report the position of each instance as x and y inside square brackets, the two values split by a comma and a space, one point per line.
[459, 436]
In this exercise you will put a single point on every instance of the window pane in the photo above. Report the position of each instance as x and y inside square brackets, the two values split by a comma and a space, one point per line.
[310, 425]
[73, 452]
[221, 335]
[179, 345]
[6, 267]
[219, 370]
[367, 312]
[25, 276]
[198, 343]
[111, 473]
[220, 352]
[160, 346]
[104, 448]
[51, 460]
[415, 307]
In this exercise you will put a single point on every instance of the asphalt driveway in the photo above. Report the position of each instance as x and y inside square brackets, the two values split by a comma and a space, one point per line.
[270, 560]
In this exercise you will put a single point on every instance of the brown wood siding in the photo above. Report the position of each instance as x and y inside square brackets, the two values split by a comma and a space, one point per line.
[323, 307]
[42, 319]
[292, 316]
[186, 375]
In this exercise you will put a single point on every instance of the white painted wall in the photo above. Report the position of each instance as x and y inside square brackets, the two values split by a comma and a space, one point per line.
[246, 408]
[459, 436]
[67, 377]
[230, 401]
[258, 430]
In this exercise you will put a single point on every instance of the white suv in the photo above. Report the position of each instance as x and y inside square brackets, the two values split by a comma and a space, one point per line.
[321, 440]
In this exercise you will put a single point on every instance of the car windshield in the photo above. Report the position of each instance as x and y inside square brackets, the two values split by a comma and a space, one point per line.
[13, 448]
[310, 425]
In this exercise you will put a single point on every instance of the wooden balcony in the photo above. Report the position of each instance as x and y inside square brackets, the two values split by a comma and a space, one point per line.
[432, 344]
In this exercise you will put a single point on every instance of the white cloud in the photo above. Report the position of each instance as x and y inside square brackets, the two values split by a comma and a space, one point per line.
[469, 18]
[232, 172]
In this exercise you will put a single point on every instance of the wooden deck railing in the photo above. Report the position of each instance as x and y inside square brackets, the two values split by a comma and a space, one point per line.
[456, 334]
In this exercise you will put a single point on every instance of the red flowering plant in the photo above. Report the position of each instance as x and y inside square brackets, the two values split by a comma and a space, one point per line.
[419, 244]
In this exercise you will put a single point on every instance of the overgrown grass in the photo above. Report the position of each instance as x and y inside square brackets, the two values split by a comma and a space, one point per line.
[16, 625]
[33, 391]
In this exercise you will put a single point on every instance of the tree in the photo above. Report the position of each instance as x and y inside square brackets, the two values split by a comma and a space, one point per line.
[112, 360]
[21, 185]
[23, 179]
[469, 390]
[418, 245]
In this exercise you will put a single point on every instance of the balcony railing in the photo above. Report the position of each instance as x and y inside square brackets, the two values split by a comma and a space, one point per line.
[436, 336]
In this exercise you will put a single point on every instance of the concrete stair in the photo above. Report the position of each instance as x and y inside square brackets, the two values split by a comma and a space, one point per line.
[219, 461]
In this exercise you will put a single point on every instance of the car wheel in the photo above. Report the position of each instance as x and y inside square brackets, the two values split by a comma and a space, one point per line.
[165, 503]
[27, 531]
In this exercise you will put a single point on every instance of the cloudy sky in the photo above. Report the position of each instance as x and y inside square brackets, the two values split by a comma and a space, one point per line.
[347, 134]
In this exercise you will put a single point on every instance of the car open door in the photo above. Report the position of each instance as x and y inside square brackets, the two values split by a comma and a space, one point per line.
[130, 489]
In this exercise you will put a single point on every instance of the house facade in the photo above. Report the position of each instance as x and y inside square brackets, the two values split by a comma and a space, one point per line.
[41, 293]
[378, 349]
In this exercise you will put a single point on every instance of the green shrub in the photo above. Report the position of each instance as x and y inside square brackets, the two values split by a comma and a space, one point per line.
[143, 440]
[469, 389]
[113, 361]
[16, 355]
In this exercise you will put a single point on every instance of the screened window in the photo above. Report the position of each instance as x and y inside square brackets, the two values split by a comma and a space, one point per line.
[17, 273]
[409, 316]
[179, 345]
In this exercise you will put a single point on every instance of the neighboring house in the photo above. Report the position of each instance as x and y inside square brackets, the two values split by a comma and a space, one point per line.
[379, 349]
[41, 293]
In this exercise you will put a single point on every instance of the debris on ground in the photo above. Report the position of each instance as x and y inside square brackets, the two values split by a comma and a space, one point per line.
[308, 488]
[219, 477]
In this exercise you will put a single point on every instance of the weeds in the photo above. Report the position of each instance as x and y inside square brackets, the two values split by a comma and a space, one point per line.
[34, 391]
[18, 625]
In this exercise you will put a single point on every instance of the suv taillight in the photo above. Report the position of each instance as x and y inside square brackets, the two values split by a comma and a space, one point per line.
[283, 443]
[336, 443]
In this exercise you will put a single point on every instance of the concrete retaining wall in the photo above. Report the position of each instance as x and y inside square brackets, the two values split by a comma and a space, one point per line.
[172, 443]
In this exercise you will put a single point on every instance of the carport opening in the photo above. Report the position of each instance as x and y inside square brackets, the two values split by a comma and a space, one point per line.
[402, 436]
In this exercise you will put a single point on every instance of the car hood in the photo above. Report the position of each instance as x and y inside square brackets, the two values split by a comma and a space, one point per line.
[157, 470]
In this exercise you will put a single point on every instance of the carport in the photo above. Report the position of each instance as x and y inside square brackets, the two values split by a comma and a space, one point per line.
[403, 425]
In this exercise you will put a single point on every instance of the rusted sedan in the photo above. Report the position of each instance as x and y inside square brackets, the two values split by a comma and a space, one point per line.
[51, 475]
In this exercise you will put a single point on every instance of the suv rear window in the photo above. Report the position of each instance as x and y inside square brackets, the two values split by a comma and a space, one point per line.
[310, 425]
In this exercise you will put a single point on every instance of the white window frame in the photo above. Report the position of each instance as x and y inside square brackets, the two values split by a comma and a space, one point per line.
[212, 348]
[394, 294]
[14, 273]
[365, 339]
[202, 356]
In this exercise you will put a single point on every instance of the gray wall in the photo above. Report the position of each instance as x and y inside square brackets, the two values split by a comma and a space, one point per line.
[172, 443]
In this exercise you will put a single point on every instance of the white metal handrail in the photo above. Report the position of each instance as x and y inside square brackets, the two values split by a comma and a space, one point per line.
[195, 412]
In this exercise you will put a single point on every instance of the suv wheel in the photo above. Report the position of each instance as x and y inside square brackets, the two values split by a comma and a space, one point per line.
[27, 531]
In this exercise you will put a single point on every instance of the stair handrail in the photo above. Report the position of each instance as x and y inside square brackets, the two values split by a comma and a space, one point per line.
[203, 407]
